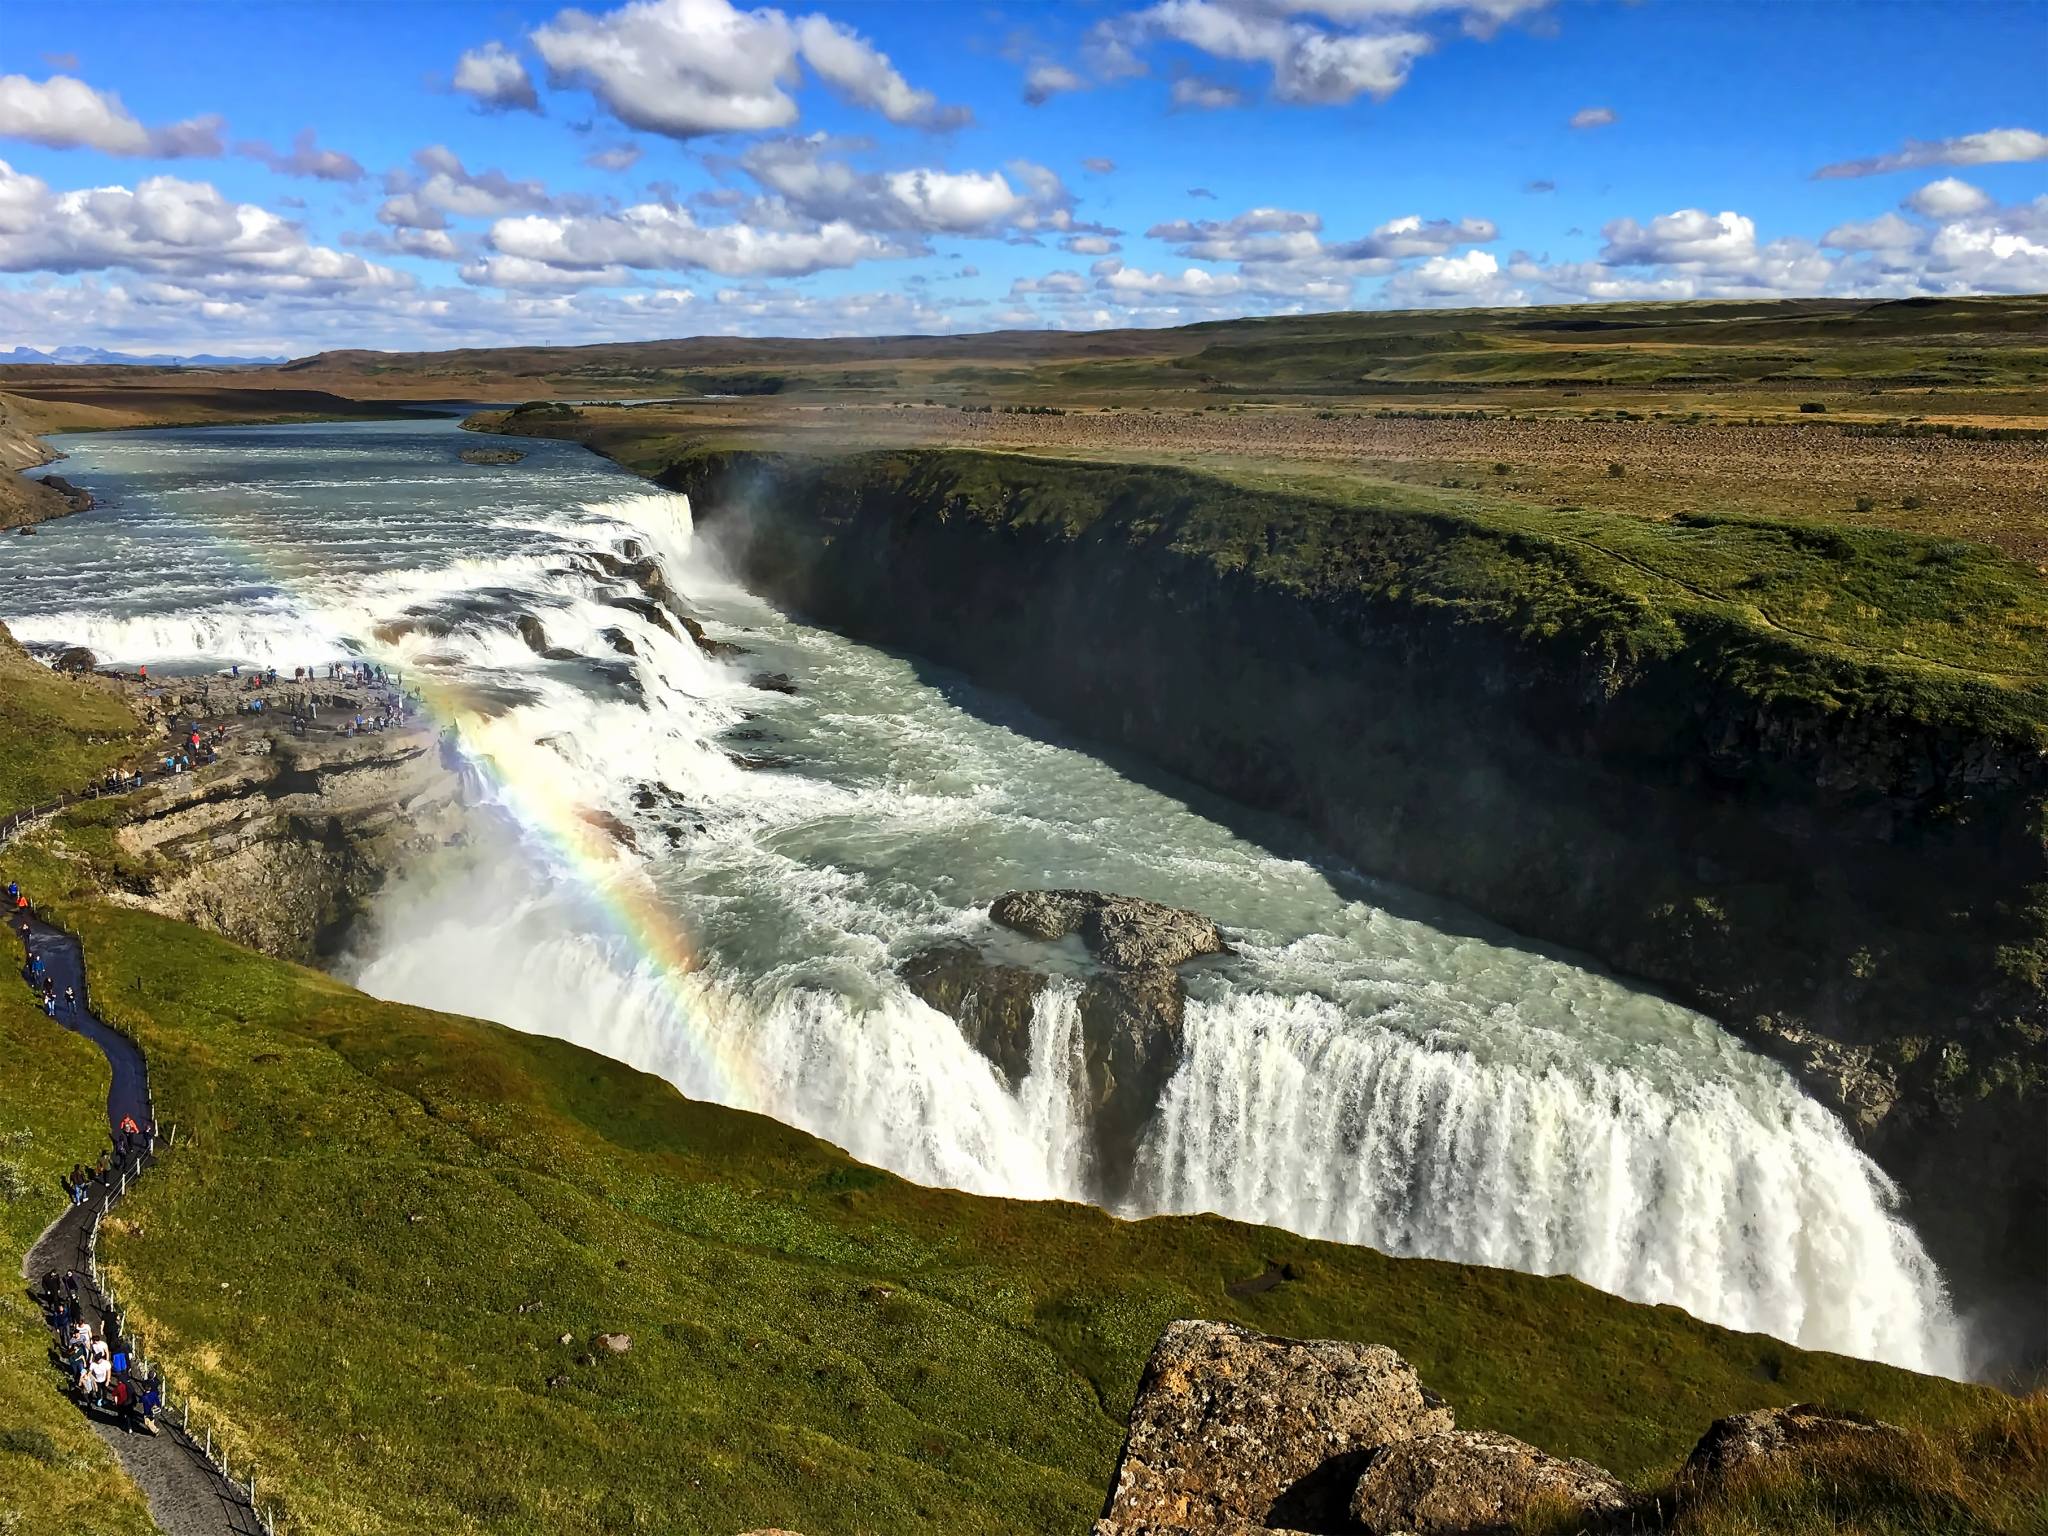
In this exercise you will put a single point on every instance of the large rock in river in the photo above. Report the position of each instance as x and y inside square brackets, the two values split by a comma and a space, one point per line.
[1473, 1483]
[1131, 1039]
[1234, 1429]
[1132, 1011]
[1127, 932]
[993, 1004]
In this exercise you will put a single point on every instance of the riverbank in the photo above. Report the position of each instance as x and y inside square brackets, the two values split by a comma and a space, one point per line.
[1794, 775]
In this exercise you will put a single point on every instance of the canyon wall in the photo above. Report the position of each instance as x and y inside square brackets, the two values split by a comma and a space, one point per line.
[1846, 867]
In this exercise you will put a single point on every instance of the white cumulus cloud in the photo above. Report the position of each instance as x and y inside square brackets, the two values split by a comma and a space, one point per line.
[66, 113]
[686, 68]
[1950, 197]
[497, 78]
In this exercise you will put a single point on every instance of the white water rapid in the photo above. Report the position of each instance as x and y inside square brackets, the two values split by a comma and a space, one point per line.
[1358, 1070]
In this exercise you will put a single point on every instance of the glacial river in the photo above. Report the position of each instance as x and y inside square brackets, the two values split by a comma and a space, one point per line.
[1355, 1071]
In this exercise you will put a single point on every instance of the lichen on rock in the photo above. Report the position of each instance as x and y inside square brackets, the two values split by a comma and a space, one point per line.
[1471, 1483]
[1239, 1429]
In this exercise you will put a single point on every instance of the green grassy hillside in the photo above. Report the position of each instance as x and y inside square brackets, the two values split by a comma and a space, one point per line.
[1981, 348]
[57, 733]
[381, 1222]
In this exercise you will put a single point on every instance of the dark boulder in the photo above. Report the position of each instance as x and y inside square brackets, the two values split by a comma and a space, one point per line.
[76, 498]
[991, 1003]
[1132, 1039]
[653, 613]
[1782, 1435]
[76, 658]
[1127, 932]
[535, 634]
[711, 647]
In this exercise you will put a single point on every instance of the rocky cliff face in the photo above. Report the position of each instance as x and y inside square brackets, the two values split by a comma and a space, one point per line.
[284, 850]
[1861, 890]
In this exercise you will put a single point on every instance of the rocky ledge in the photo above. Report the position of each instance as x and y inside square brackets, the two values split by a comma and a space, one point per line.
[1236, 1433]
[1131, 1007]
[492, 455]
[284, 845]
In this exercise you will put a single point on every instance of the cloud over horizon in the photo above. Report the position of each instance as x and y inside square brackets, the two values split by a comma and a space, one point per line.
[719, 165]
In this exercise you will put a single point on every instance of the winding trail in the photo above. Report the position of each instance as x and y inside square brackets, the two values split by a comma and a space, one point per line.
[187, 1495]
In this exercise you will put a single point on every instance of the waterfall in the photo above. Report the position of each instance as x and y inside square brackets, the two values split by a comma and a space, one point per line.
[1347, 1074]
[1750, 1208]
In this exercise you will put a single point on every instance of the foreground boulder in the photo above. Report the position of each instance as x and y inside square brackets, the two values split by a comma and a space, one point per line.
[1126, 932]
[1779, 1435]
[1234, 1429]
[1468, 1482]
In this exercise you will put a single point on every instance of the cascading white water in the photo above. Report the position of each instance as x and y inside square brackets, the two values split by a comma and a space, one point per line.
[1743, 1202]
[1351, 1073]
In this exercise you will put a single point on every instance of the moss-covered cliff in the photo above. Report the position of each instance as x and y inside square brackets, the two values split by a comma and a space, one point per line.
[1797, 776]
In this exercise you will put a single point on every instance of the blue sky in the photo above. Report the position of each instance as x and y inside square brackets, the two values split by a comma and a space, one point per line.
[484, 174]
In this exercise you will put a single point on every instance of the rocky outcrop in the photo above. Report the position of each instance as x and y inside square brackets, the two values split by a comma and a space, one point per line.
[24, 502]
[1132, 1010]
[1473, 1483]
[76, 498]
[1121, 931]
[76, 658]
[645, 573]
[1849, 869]
[492, 455]
[1779, 1436]
[535, 634]
[1238, 1429]
[642, 608]
[285, 850]
[993, 1004]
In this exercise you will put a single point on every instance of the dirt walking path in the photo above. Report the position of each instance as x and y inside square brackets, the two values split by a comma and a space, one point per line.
[187, 1496]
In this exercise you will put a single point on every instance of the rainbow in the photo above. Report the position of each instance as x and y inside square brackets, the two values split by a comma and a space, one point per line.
[545, 807]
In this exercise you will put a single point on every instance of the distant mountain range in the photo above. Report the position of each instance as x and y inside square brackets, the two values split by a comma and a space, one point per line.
[68, 356]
